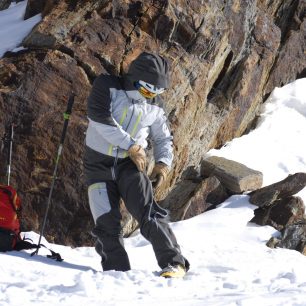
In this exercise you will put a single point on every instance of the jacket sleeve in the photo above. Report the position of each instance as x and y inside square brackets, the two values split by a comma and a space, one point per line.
[100, 116]
[162, 139]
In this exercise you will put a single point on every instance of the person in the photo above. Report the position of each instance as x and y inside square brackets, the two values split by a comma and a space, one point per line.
[123, 112]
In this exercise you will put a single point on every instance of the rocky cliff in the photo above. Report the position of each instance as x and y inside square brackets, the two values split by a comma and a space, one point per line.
[226, 57]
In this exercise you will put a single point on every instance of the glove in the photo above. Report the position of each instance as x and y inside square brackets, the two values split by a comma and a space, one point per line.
[138, 156]
[159, 175]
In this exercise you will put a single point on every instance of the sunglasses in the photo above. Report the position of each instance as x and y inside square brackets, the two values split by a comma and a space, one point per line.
[147, 90]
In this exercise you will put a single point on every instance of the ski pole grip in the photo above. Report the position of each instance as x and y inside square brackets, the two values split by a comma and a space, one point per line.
[70, 104]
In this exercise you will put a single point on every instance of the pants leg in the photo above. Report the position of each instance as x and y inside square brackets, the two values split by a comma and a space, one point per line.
[104, 205]
[136, 191]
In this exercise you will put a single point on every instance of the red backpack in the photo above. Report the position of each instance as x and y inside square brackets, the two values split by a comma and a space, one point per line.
[10, 239]
[10, 204]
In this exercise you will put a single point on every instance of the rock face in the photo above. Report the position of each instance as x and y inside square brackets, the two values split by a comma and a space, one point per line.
[226, 56]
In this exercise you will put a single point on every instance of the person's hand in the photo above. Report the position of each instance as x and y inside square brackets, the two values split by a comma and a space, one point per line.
[138, 155]
[159, 175]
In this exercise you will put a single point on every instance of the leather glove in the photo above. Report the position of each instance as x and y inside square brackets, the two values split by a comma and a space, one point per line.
[138, 155]
[159, 175]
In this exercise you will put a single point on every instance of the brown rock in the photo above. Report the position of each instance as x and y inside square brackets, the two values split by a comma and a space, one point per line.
[36, 108]
[208, 194]
[233, 175]
[267, 195]
[191, 198]
[273, 242]
[282, 213]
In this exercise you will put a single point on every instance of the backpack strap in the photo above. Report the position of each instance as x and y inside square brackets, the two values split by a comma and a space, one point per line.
[25, 244]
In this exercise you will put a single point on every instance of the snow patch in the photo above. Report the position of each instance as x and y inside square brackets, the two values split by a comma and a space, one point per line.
[13, 29]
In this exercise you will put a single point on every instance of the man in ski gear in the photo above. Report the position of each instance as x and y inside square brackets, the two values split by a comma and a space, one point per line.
[123, 112]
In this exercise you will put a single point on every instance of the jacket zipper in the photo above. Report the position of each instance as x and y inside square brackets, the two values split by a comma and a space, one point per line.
[113, 167]
[117, 149]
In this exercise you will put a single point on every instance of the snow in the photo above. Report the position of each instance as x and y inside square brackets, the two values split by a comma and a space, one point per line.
[13, 28]
[277, 146]
[230, 263]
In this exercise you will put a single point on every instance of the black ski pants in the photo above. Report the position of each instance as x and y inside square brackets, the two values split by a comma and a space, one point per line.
[135, 189]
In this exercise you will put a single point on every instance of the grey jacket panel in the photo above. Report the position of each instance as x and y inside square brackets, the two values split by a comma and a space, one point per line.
[162, 139]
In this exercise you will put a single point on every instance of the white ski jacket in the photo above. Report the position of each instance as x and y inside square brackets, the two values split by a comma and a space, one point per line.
[116, 121]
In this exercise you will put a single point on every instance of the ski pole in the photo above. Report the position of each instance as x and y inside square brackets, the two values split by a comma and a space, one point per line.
[9, 156]
[59, 152]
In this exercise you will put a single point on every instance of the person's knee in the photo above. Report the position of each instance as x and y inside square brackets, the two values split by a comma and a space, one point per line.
[108, 223]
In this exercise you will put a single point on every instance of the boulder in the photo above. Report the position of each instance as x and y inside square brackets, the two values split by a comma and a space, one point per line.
[267, 195]
[233, 175]
[277, 205]
[191, 198]
[292, 237]
[282, 213]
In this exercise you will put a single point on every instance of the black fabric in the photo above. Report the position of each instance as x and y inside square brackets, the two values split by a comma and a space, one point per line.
[24, 245]
[10, 241]
[97, 166]
[151, 68]
[136, 190]
[7, 240]
[99, 100]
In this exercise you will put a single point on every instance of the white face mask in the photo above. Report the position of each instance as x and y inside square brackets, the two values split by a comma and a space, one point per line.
[135, 95]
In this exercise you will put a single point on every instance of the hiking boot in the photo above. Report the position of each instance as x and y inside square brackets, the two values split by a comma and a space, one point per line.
[174, 271]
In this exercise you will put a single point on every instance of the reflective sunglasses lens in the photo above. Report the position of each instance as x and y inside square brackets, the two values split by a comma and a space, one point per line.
[146, 93]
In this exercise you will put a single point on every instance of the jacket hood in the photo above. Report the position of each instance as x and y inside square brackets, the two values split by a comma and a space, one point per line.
[150, 68]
